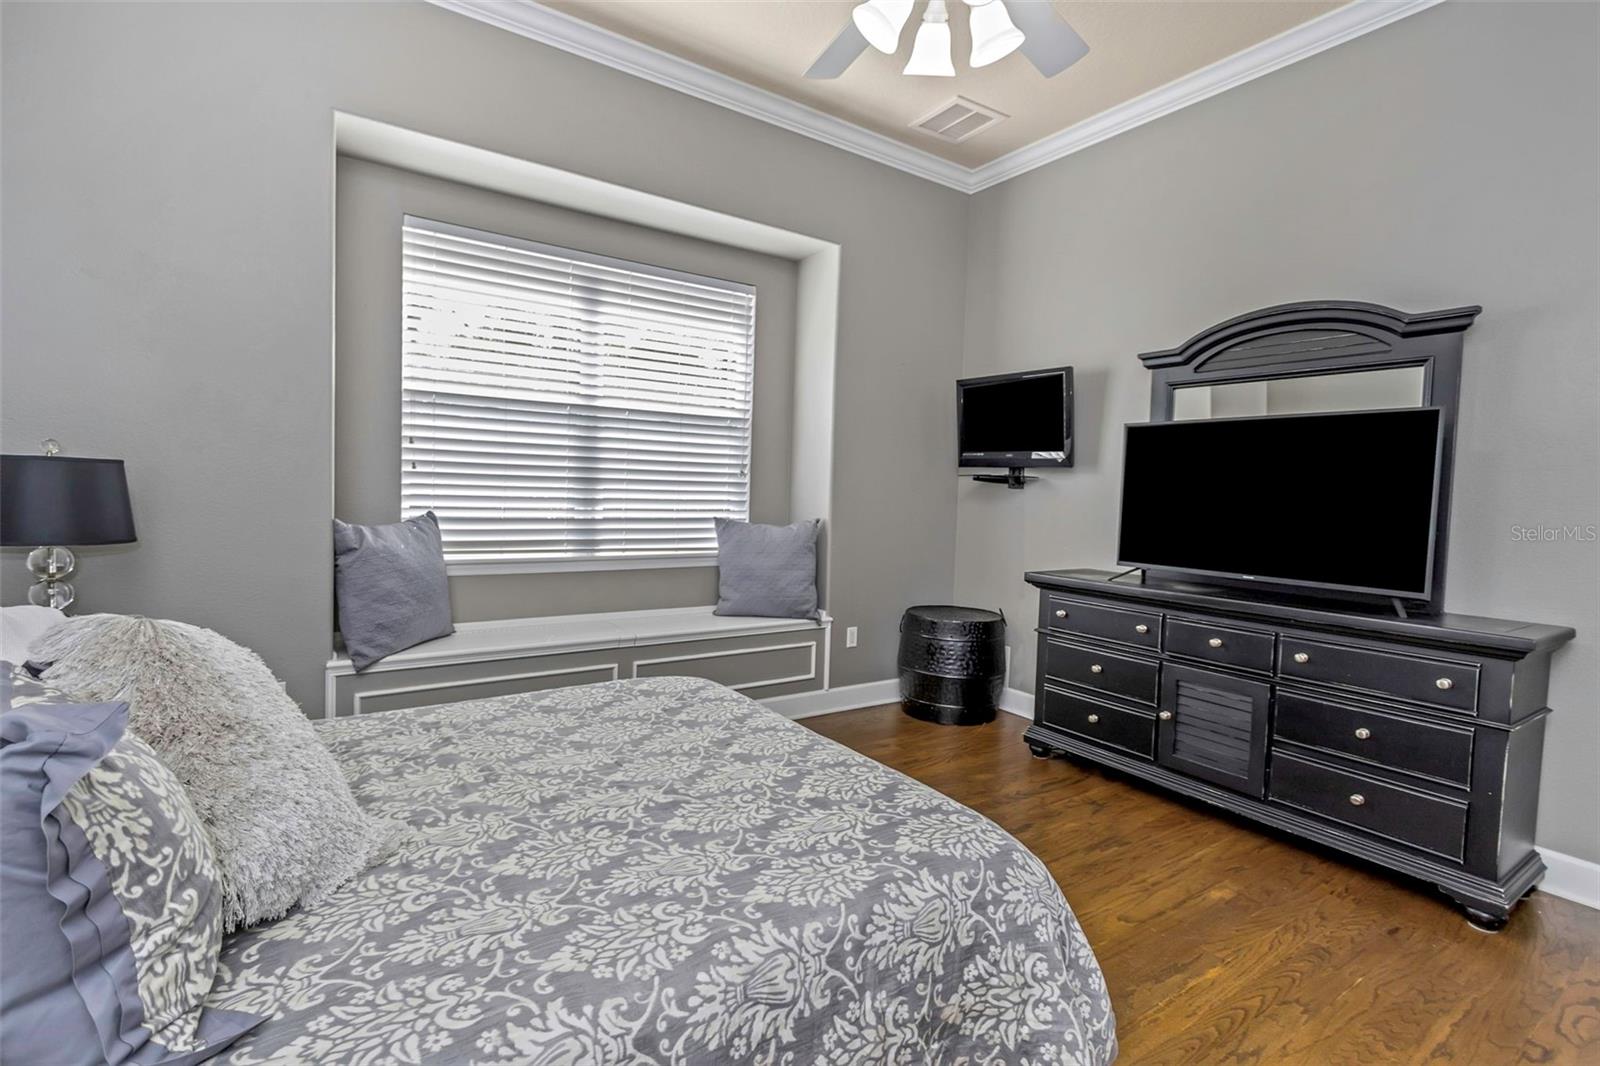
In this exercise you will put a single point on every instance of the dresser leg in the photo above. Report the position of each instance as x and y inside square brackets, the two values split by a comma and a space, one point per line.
[1487, 921]
[1488, 910]
[1040, 751]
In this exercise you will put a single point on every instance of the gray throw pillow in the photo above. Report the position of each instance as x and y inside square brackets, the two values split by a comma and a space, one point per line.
[108, 884]
[280, 815]
[767, 571]
[391, 586]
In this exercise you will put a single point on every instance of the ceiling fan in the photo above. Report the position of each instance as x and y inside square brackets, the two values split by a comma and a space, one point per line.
[999, 27]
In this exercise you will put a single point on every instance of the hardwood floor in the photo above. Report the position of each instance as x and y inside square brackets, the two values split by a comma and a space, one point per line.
[1223, 943]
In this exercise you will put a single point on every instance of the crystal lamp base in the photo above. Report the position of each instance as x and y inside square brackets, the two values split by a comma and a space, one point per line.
[52, 566]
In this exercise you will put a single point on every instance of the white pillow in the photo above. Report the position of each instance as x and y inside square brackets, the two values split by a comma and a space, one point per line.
[22, 625]
[283, 823]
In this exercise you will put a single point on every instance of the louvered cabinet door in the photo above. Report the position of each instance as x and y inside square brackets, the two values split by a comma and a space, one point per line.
[1214, 726]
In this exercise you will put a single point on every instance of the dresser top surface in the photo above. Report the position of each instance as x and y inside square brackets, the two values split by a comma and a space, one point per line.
[1497, 635]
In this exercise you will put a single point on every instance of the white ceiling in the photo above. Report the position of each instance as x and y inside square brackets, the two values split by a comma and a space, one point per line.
[1146, 58]
[1133, 47]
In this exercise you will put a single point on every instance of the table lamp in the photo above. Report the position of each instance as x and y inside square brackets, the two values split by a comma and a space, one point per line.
[52, 500]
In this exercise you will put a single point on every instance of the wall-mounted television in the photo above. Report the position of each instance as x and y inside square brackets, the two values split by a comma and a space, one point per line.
[1345, 501]
[1016, 420]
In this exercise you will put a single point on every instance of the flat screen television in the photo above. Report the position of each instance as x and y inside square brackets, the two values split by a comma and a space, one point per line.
[1345, 501]
[1016, 420]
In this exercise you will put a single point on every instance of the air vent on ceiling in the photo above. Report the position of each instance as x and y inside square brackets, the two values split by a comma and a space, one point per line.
[959, 119]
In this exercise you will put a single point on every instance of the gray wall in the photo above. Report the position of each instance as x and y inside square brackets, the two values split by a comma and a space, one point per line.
[167, 194]
[372, 201]
[1450, 158]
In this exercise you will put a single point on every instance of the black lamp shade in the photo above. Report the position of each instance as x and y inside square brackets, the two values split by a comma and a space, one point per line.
[59, 500]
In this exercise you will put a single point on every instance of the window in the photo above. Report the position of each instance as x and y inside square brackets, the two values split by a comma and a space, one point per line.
[560, 407]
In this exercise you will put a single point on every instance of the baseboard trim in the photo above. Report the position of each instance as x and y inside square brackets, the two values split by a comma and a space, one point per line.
[1017, 702]
[1571, 878]
[832, 700]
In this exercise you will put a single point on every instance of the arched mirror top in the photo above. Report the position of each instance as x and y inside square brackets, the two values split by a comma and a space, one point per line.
[1317, 356]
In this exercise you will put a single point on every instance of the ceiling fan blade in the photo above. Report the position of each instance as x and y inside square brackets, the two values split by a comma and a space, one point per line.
[837, 57]
[1051, 44]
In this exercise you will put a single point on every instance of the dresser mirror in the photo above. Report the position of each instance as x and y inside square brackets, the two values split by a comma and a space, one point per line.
[1323, 356]
[1364, 390]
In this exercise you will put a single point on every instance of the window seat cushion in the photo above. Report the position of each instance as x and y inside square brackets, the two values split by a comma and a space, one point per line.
[555, 634]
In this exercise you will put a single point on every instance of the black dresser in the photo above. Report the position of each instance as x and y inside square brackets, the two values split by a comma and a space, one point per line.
[1413, 743]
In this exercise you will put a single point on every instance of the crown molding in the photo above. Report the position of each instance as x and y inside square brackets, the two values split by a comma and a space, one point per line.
[1302, 42]
[558, 30]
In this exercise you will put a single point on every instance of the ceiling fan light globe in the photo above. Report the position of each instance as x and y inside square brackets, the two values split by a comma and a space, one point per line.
[881, 21]
[994, 35]
[930, 52]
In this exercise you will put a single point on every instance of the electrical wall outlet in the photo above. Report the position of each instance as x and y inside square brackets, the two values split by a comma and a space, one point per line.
[851, 637]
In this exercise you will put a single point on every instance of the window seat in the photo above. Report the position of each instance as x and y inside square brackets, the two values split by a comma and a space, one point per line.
[762, 657]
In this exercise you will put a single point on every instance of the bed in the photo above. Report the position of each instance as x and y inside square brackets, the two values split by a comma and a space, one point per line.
[663, 871]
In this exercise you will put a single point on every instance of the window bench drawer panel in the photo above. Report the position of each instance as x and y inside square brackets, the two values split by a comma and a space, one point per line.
[1102, 723]
[430, 685]
[410, 693]
[750, 670]
[1118, 674]
[1432, 823]
[1399, 743]
[1452, 685]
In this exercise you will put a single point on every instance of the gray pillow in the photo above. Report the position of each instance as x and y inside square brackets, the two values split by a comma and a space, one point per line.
[280, 815]
[391, 586]
[113, 922]
[767, 571]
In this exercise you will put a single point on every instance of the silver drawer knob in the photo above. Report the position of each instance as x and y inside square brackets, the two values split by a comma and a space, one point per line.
[1357, 800]
[1363, 733]
[1141, 629]
[1061, 613]
[1301, 657]
[1215, 642]
[1096, 668]
[1093, 718]
[1444, 683]
[1165, 716]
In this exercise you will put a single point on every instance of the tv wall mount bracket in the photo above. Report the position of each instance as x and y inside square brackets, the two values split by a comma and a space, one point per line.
[1013, 478]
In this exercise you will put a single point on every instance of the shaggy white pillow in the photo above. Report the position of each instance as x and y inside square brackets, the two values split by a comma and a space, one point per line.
[282, 820]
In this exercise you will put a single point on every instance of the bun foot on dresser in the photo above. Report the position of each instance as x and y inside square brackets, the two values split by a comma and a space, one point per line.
[1040, 751]
[1486, 921]
[1488, 907]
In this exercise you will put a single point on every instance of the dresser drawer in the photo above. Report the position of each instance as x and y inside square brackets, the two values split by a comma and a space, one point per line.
[1248, 649]
[1431, 823]
[1442, 684]
[1139, 628]
[1436, 751]
[1119, 674]
[1100, 722]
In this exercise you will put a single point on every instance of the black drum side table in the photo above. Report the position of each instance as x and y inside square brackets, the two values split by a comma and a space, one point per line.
[952, 663]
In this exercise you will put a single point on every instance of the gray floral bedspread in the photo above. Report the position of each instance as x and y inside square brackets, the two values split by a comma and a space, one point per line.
[663, 871]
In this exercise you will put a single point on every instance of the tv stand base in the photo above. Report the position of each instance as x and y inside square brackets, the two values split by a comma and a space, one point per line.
[1413, 743]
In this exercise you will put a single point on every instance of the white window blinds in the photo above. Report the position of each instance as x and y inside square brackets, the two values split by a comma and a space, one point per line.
[561, 406]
